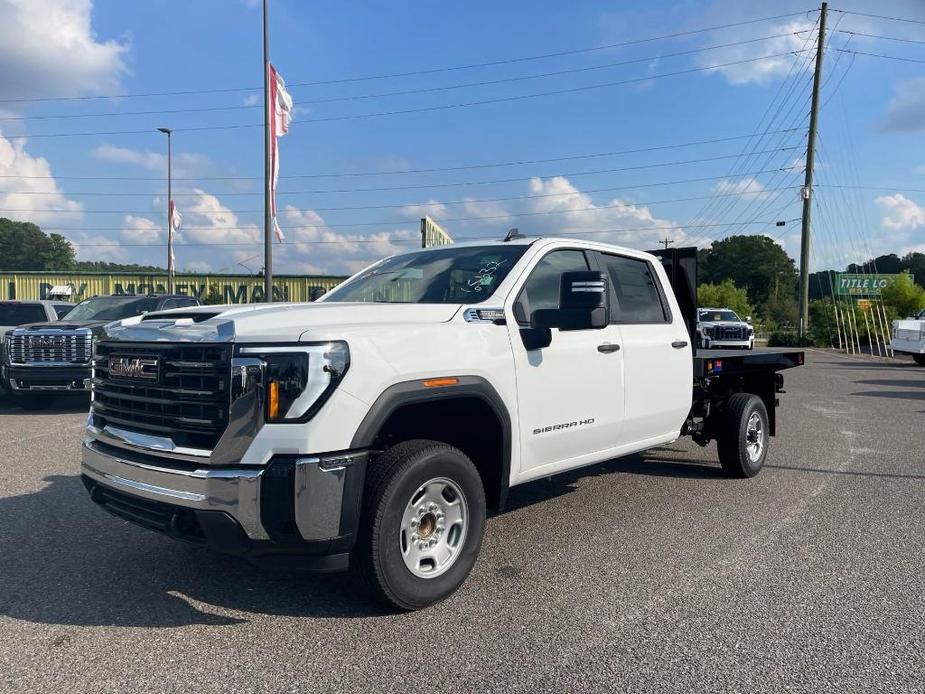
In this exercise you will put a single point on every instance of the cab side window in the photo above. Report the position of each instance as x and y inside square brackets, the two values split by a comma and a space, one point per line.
[639, 298]
[542, 287]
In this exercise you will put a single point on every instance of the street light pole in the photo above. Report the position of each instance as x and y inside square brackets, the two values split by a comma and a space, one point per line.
[170, 268]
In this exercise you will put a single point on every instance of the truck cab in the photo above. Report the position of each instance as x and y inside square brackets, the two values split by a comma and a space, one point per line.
[377, 425]
[908, 337]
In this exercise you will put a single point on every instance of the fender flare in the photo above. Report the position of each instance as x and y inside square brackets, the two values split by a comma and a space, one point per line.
[414, 392]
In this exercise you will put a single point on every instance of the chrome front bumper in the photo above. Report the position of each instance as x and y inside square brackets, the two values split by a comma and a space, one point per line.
[294, 503]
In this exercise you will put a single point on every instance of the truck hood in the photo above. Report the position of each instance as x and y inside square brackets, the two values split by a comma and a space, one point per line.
[723, 323]
[65, 325]
[278, 322]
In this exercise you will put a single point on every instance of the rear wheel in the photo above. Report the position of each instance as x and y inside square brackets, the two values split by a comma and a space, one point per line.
[919, 359]
[422, 524]
[742, 439]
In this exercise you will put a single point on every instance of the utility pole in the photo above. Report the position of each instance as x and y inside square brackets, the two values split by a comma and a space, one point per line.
[666, 242]
[267, 222]
[807, 192]
[170, 268]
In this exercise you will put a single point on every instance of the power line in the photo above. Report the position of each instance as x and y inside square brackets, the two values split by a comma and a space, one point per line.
[880, 16]
[463, 167]
[429, 71]
[406, 92]
[453, 184]
[443, 107]
[599, 208]
[879, 36]
[415, 239]
[881, 55]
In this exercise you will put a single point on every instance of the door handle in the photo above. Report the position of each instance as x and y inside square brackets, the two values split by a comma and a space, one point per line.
[608, 347]
[679, 344]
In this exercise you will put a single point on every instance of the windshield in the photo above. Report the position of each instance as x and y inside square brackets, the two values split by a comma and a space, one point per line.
[112, 308]
[718, 316]
[446, 276]
[20, 314]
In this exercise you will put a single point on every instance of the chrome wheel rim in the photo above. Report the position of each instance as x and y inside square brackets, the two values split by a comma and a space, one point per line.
[433, 528]
[754, 437]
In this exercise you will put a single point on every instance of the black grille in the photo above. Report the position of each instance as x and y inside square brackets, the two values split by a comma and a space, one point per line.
[188, 401]
[51, 346]
[731, 333]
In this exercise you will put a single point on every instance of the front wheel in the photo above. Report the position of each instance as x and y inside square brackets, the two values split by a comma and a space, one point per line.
[742, 439]
[422, 523]
[919, 359]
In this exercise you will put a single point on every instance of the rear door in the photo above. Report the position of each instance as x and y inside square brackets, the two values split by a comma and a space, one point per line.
[656, 350]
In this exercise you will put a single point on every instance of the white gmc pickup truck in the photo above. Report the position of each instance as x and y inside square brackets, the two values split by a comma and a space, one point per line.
[378, 425]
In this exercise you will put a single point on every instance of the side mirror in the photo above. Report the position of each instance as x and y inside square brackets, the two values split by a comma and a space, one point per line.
[748, 319]
[316, 293]
[583, 303]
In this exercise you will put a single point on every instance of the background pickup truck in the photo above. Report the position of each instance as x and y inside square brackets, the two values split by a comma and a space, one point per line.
[377, 425]
[909, 337]
[49, 357]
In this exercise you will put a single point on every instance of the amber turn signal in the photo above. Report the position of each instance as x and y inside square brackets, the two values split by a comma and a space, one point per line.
[440, 382]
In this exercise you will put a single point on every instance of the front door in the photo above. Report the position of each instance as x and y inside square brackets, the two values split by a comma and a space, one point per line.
[569, 394]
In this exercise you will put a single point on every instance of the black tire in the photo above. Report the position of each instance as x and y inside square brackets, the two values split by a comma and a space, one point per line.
[391, 482]
[919, 359]
[732, 440]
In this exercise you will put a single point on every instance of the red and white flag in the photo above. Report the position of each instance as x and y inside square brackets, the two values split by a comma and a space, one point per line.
[280, 117]
[175, 220]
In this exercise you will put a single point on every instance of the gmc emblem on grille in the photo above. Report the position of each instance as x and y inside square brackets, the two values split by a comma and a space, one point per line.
[133, 367]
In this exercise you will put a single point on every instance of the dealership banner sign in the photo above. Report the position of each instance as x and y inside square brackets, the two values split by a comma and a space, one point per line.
[227, 289]
[847, 284]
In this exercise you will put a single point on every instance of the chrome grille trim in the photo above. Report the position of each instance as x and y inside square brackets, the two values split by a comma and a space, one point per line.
[50, 347]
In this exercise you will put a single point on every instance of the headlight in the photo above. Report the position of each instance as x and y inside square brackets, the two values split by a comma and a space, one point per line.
[708, 332]
[299, 378]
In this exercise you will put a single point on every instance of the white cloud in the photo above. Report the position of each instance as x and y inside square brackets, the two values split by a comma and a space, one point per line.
[48, 47]
[433, 209]
[182, 163]
[253, 99]
[97, 247]
[759, 71]
[573, 212]
[28, 190]
[748, 188]
[140, 230]
[902, 214]
[906, 111]
[314, 247]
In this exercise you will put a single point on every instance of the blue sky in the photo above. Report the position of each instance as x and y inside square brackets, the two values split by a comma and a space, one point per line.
[872, 125]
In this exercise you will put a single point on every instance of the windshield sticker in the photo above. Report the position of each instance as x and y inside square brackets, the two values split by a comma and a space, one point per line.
[483, 278]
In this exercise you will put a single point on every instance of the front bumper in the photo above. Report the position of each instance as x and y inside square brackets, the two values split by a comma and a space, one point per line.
[710, 343]
[296, 510]
[55, 378]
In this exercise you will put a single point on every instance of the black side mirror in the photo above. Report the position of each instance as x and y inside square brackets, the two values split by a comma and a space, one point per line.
[583, 303]
[316, 293]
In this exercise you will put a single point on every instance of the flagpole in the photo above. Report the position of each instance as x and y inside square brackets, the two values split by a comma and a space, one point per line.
[170, 268]
[267, 231]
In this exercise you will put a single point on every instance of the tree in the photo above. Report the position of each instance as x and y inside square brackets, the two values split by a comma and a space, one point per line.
[26, 247]
[725, 295]
[915, 263]
[756, 263]
[903, 297]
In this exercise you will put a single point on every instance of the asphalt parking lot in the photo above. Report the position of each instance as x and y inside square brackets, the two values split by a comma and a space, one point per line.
[652, 573]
